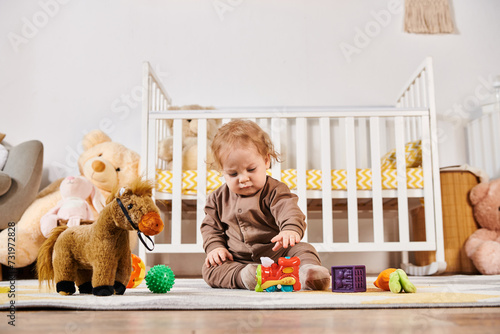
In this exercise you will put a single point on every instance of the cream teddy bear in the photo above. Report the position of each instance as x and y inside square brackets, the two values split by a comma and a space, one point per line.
[103, 162]
[73, 207]
[189, 139]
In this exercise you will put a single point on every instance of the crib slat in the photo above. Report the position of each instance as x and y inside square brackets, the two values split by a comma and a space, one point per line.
[276, 139]
[301, 166]
[160, 102]
[436, 186]
[159, 134]
[485, 142]
[151, 149]
[352, 200]
[404, 230]
[150, 93]
[421, 88]
[157, 97]
[153, 94]
[416, 128]
[413, 129]
[407, 130]
[285, 150]
[378, 213]
[430, 234]
[425, 97]
[418, 101]
[411, 95]
[201, 180]
[326, 180]
[177, 181]
[362, 153]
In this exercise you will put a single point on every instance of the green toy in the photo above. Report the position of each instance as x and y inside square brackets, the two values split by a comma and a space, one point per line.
[160, 279]
[399, 281]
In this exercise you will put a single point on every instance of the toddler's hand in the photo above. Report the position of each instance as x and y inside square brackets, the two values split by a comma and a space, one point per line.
[218, 256]
[284, 239]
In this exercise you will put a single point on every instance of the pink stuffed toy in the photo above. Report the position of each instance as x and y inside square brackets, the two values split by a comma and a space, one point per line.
[73, 206]
[483, 246]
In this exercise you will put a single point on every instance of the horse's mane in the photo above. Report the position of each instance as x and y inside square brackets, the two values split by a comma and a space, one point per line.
[138, 187]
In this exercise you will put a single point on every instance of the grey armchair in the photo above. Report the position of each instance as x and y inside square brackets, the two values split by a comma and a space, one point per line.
[20, 180]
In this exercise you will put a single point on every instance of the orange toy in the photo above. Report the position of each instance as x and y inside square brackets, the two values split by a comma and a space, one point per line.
[382, 281]
[138, 272]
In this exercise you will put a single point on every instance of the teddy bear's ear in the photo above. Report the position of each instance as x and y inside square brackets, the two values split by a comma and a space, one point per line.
[478, 192]
[94, 138]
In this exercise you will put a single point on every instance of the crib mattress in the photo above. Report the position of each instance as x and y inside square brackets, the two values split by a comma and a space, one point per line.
[414, 179]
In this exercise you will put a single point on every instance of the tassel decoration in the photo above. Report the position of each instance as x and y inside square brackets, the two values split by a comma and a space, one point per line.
[428, 17]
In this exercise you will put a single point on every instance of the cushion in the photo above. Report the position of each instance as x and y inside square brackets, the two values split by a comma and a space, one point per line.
[413, 156]
[5, 182]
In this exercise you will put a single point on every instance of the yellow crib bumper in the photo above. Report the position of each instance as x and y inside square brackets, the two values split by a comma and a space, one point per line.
[414, 179]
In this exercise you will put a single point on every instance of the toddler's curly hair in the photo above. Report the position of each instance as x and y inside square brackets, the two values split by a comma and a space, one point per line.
[241, 133]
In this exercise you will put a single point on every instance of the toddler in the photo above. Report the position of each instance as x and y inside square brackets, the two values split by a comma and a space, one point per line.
[252, 215]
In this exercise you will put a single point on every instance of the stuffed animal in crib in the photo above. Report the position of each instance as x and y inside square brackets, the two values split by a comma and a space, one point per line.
[96, 257]
[105, 163]
[189, 139]
[73, 207]
[483, 246]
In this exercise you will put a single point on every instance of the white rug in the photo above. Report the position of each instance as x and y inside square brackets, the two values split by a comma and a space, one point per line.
[194, 294]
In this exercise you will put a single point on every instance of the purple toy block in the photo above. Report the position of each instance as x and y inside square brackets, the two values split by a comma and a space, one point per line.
[349, 278]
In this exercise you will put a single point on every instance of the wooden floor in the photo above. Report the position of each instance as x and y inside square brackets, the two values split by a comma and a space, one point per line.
[451, 320]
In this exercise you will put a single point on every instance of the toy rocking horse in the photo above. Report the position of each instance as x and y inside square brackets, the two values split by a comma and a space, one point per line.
[97, 257]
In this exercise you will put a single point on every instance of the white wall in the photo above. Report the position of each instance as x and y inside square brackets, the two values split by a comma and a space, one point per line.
[68, 67]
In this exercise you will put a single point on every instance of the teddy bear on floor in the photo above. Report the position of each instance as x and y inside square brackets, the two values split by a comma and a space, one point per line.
[483, 246]
[73, 208]
[106, 164]
[189, 139]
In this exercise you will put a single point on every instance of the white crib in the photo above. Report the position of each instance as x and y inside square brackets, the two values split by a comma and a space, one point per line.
[321, 145]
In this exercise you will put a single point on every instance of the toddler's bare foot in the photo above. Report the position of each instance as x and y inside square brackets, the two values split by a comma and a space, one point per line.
[247, 276]
[314, 277]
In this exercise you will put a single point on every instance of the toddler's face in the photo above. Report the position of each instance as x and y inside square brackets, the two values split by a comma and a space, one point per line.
[244, 170]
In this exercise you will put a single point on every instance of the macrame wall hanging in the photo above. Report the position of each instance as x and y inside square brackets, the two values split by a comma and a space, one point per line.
[428, 17]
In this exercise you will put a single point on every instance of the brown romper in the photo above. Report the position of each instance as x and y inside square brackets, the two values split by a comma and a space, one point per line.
[246, 225]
